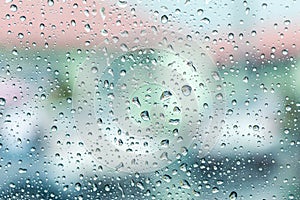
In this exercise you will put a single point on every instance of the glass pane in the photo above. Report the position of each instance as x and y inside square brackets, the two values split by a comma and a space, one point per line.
[149, 99]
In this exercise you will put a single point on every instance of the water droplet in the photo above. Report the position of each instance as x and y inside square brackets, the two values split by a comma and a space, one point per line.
[14, 8]
[15, 52]
[102, 13]
[174, 121]
[73, 22]
[285, 52]
[77, 186]
[245, 79]
[140, 185]
[215, 75]
[22, 18]
[145, 115]
[287, 22]
[164, 19]
[136, 101]
[54, 128]
[42, 26]
[94, 70]
[230, 36]
[20, 35]
[50, 2]
[2, 101]
[22, 170]
[165, 95]
[233, 195]
[264, 5]
[164, 143]
[166, 178]
[186, 90]
[185, 184]
[215, 190]
[256, 128]
[104, 32]
[87, 28]
[122, 3]
[199, 12]
[219, 96]
[107, 188]
[205, 20]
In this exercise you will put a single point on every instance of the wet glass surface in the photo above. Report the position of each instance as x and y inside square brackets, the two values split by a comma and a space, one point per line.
[149, 99]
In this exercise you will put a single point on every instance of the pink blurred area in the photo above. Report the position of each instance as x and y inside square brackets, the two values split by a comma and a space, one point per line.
[59, 29]
[55, 24]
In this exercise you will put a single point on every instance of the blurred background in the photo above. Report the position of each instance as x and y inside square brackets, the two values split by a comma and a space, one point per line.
[222, 76]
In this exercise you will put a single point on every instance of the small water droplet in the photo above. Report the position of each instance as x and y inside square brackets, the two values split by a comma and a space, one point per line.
[107, 188]
[14, 8]
[22, 18]
[174, 121]
[54, 128]
[87, 28]
[215, 75]
[50, 3]
[164, 19]
[165, 95]
[122, 3]
[233, 195]
[230, 36]
[245, 79]
[136, 101]
[20, 35]
[15, 52]
[205, 20]
[164, 143]
[73, 22]
[264, 5]
[102, 13]
[185, 184]
[77, 186]
[285, 52]
[186, 90]
[22, 170]
[256, 128]
[2, 101]
[215, 190]
[12, 185]
[104, 32]
[199, 12]
[145, 115]
[166, 178]
[219, 96]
